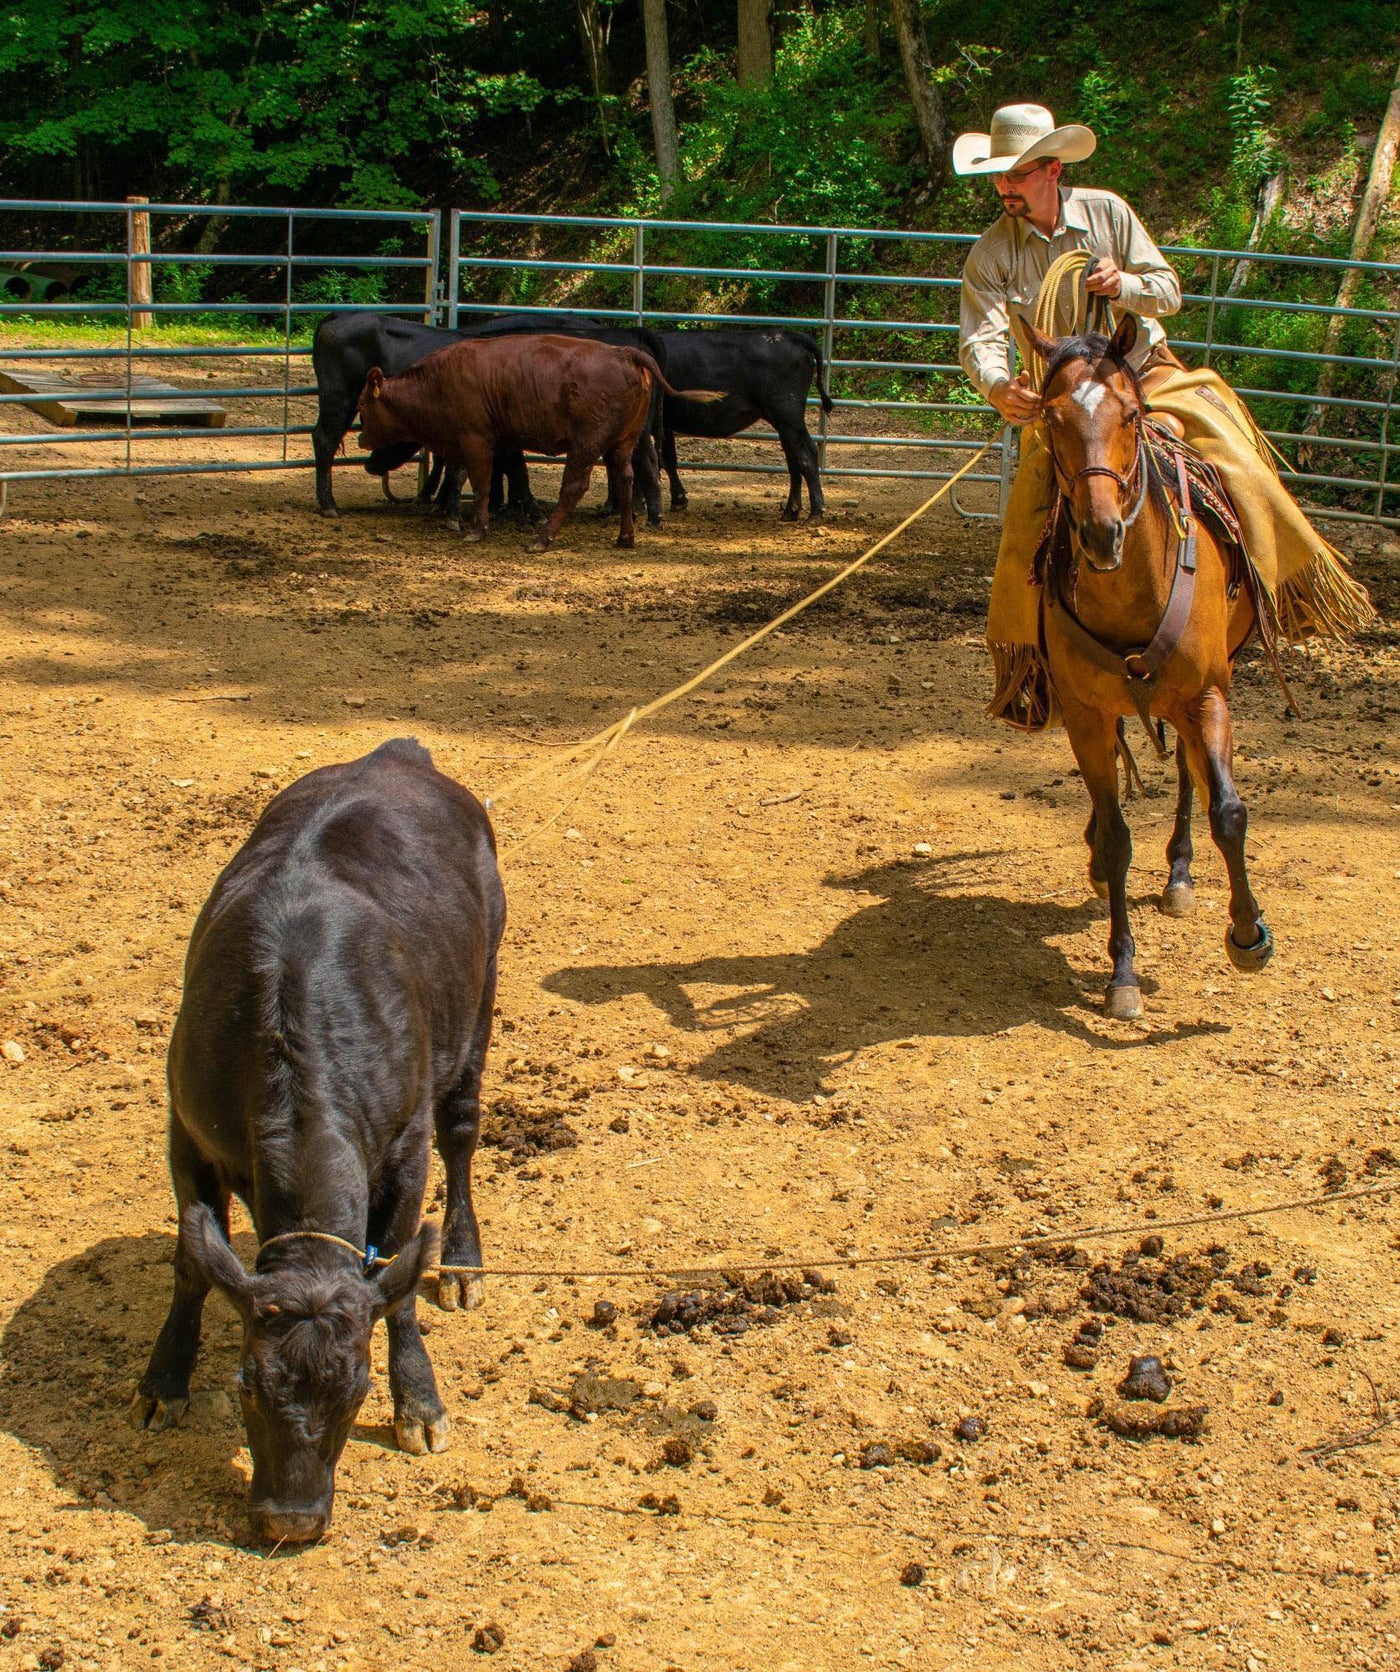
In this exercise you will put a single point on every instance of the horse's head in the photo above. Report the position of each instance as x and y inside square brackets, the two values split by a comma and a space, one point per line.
[1092, 407]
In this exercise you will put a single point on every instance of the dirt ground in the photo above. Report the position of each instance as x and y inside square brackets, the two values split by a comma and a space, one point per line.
[809, 968]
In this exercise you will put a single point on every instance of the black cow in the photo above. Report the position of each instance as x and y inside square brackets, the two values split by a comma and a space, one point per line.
[336, 1015]
[765, 374]
[347, 345]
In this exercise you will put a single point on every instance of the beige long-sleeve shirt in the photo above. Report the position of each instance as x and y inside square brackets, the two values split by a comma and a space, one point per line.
[1002, 275]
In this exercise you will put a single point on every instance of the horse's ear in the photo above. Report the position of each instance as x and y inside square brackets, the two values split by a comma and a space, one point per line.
[1044, 346]
[1124, 339]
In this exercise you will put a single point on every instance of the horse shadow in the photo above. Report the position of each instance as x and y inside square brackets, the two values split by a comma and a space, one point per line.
[933, 957]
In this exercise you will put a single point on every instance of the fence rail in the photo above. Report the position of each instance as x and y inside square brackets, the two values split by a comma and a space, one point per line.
[882, 302]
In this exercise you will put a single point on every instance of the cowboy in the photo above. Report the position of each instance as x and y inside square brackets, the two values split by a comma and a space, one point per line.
[1043, 218]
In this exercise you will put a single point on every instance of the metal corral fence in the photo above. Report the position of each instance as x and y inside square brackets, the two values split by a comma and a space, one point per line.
[883, 305]
[119, 298]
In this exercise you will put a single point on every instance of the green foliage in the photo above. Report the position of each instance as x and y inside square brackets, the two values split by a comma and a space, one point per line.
[1254, 150]
[819, 146]
[240, 102]
[1107, 103]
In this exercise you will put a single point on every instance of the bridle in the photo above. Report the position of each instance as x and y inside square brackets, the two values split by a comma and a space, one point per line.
[1138, 473]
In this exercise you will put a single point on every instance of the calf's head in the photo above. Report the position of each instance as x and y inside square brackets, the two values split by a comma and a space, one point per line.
[304, 1366]
[380, 425]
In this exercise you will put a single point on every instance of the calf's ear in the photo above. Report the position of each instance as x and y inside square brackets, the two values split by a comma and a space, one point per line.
[374, 382]
[207, 1248]
[397, 1281]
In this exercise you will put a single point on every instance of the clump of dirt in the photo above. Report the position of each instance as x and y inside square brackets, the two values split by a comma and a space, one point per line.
[523, 1133]
[737, 1304]
[245, 555]
[1181, 1422]
[1155, 1291]
[589, 1394]
[1146, 1379]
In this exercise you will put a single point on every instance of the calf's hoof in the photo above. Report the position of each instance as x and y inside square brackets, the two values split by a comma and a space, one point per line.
[460, 1290]
[653, 521]
[474, 536]
[1178, 900]
[420, 1435]
[1123, 1004]
[1099, 886]
[1249, 960]
[789, 513]
[625, 542]
[327, 511]
[149, 1412]
[543, 545]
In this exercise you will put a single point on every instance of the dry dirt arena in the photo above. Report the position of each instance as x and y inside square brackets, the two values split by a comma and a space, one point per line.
[808, 969]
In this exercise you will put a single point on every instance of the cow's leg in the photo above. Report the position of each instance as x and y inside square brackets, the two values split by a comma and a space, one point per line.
[163, 1393]
[428, 487]
[792, 507]
[679, 500]
[336, 414]
[479, 459]
[519, 497]
[1210, 748]
[1094, 738]
[578, 472]
[458, 1118]
[620, 475]
[420, 1417]
[1179, 896]
[646, 475]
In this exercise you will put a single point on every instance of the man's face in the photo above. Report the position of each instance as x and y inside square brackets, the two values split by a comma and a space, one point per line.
[1031, 191]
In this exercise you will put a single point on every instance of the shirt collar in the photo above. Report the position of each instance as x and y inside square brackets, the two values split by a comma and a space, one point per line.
[1072, 218]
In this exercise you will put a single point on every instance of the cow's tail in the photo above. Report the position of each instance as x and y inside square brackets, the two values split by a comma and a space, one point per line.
[814, 348]
[646, 363]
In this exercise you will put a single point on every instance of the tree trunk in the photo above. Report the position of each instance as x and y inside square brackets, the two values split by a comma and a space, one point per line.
[872, 29]
[595, 55]
[663, 111]
[1269, 196]
[1373, 201]
[924, 93]
[755, 60]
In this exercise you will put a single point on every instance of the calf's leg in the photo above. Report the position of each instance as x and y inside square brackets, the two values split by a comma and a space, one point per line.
[479, 460]
[163, 1393]
[1094, 739]
[679, 499]
[458, 1122]
[620, 479]
[578, 472]
[420, 1417]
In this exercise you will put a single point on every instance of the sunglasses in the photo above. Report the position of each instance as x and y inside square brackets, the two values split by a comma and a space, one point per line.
[1021, 175]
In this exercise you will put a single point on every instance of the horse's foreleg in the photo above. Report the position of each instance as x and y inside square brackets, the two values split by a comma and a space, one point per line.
[1094, 739]
[1248, 941]
[1179, 896]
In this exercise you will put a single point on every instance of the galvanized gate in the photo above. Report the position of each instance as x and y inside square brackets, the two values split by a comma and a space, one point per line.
[883, 305]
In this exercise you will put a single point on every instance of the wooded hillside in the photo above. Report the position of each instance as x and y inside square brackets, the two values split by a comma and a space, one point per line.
[834, 111]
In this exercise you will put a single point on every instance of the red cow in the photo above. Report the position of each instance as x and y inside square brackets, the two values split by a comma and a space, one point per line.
[566, 395]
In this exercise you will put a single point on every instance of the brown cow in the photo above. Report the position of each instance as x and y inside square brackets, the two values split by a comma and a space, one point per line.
[566, 395]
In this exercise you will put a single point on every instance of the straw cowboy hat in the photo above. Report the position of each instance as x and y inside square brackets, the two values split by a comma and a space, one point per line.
[1021, 134]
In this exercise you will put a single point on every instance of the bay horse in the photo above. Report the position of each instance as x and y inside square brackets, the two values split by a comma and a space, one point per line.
[1143, 609]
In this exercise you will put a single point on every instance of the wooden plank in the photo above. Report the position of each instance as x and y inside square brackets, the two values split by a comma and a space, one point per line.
[68, 401]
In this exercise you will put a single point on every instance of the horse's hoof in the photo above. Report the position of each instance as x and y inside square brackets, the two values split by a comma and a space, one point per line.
[1249, 960]
[1123, 1004]
[1178, 900]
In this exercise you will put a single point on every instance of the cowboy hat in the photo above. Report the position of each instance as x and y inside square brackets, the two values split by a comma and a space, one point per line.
[1021, 133]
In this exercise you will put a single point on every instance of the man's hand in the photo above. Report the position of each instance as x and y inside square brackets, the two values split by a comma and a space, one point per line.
[1104, 278]
[1016, 401]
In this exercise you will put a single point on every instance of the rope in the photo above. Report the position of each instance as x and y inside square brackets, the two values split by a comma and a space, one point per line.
[1053, 318]
[967, 1251]
[603, 743]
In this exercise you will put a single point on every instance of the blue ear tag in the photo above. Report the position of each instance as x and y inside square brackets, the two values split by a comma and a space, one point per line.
[371, 1259]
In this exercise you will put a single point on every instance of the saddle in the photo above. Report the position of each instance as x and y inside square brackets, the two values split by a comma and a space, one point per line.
[1195, 494]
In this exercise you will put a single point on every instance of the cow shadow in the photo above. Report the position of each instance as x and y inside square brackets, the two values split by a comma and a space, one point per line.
[69, 1360]
[933, 957]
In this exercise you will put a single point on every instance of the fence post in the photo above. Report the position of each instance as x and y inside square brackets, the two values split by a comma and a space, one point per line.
[430, 283]
[1383, 471]
[289, 294]
[454, 267]
[1210, 311]
[639, 270]
[138, 244]
[833, 240]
